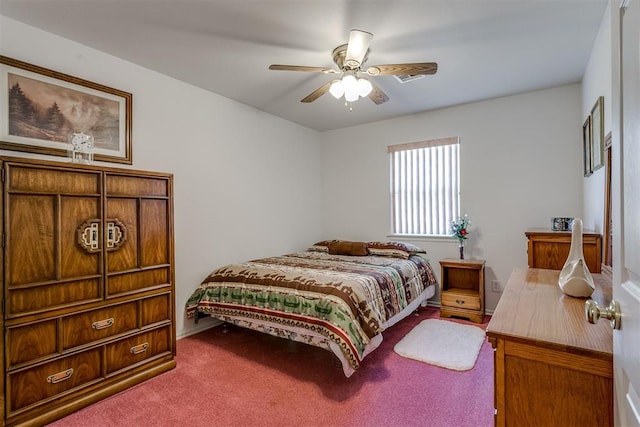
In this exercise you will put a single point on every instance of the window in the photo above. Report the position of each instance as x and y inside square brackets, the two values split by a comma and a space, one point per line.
[425, 186]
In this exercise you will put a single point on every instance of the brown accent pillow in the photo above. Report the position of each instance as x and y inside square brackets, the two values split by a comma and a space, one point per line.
[321, 246]
[394, 249]
[344, 247]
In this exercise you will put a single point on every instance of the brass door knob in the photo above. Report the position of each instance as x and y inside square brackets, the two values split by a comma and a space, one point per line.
[594, 312]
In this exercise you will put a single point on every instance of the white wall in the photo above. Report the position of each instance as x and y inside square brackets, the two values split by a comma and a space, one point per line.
[597, 82]
[246, 184]
[250, 184]
[521, 160]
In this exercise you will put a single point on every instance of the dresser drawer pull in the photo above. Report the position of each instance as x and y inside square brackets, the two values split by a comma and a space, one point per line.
[102, 324]
[60, 376]
[460, 301]
[140, 348]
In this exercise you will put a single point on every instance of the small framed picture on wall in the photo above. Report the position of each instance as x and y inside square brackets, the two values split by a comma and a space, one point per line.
[597, 135]
[586, 147]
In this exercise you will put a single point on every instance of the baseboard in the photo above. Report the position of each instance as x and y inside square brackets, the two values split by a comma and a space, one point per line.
[202, 325]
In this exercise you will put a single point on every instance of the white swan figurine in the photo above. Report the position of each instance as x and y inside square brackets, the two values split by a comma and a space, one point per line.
[575, 279]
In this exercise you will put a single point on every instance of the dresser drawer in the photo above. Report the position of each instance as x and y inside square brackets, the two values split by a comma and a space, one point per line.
[28, 387]
[99, 324]
[130, 351]
[35, 341]
[31, 342]
[156, 309]
[461, 299]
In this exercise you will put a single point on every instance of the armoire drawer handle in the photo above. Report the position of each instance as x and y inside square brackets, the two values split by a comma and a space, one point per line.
[60, 376]
[140, 348]
[102, 324]
[460, 301]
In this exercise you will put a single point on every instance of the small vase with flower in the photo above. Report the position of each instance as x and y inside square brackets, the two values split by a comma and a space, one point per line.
[459, 231]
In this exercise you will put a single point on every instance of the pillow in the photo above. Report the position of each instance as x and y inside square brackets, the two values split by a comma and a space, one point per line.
[322, 246]
[318, 248]
[344, 247]
[394, 249]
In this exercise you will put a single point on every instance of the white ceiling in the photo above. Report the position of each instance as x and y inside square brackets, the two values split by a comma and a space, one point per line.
[484, 48]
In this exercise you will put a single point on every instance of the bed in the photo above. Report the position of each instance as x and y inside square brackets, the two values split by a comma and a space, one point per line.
[338, 295]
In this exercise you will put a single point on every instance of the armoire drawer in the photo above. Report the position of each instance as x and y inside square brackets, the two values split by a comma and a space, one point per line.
[99, 324]
[130, 351]
[34, 341]
[28, 387]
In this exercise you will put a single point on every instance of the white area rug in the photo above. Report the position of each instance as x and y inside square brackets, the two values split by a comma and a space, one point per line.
[443, 343]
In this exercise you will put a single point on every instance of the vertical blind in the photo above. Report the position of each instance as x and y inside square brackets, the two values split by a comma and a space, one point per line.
[425, 186]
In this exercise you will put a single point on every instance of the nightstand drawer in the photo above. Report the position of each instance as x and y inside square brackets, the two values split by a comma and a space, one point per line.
[461, 299]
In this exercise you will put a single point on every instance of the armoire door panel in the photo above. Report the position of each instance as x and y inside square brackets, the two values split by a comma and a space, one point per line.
[31, 239]
[75, 261]
[41, 180]
[120, 185]
[153, 232]
[125, 257]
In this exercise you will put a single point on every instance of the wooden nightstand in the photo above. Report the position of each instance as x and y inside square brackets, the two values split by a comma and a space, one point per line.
[462, 292]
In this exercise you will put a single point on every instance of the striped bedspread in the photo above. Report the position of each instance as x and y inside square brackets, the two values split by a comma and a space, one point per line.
[346, 299]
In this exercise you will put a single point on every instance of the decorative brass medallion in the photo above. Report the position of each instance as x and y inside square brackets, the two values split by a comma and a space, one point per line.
[88, 235]
[116, 234]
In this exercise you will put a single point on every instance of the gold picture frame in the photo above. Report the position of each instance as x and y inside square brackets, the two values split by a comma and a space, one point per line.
[586, 147]
[40, 108]
[597, 134]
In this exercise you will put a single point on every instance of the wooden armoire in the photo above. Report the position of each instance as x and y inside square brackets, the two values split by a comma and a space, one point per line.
[88, 284]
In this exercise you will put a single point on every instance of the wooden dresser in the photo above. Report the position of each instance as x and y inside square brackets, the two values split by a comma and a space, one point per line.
[550, 249]
[552, 367]
[88, 278]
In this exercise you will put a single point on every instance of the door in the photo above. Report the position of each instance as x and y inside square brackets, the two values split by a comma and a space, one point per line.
[626, 280]
[52, 256]
[138, 233]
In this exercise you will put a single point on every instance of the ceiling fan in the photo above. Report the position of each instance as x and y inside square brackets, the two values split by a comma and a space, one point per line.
[350, 59]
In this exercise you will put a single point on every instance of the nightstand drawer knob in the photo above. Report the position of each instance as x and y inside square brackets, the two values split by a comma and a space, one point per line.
[460, 301]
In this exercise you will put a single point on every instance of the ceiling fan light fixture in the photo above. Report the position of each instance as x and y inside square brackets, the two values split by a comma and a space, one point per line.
[336, 89]
[357, 48]
[364, 87]
[351, 90]
[351, 95]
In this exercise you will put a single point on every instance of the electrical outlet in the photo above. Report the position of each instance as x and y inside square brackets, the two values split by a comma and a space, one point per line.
[495, 286]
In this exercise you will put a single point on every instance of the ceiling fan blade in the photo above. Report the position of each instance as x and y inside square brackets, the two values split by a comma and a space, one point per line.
[403, 69]
[377, 95]
[317, 93]
[357, 48]
[303, 68]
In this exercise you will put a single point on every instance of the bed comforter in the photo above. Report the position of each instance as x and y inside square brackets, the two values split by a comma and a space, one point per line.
[342, 301]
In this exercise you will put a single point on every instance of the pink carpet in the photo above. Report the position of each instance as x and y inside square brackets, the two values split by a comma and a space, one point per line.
[244, 378]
